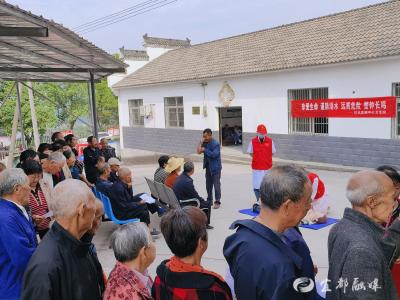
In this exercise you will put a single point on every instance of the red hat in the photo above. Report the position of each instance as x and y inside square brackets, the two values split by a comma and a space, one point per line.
[261, 129]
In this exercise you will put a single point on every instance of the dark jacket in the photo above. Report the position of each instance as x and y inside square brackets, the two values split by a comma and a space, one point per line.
[212, 157]
[124, 204]
[104, 186]
[359, 248]
[17, 244]
[184, 188]
[90, 158]
[113, 177]
[188, 285]
[265, 265]
[87, 238]
[108, 153]
[61, 269]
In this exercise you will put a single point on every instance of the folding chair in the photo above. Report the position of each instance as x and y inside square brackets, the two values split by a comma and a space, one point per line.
[155, 194]
[176, 202]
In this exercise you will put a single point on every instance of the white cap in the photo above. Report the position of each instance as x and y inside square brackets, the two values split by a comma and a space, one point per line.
[114, 161]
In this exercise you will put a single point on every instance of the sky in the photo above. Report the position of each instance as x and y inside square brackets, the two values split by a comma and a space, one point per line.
[198, 20]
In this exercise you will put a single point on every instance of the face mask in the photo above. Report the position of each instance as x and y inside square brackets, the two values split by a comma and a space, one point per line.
[260, 136]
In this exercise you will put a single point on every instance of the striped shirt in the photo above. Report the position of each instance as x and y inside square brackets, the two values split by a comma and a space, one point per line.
[38, 206]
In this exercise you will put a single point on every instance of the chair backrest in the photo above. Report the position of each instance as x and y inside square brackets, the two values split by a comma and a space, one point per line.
[107, 205]
[161, 192]
[172, 200]
[152, 188]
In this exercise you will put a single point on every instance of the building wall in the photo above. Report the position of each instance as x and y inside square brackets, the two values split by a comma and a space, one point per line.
[362, 152]
[263, 99]
[154, 52]
[170, 141]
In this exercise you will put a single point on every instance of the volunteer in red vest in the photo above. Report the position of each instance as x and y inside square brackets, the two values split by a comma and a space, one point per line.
[261, 148]
[320, 201]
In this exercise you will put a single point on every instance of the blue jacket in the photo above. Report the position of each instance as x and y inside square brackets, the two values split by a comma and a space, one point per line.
[212, 157]
[265, 265]
[17, 244]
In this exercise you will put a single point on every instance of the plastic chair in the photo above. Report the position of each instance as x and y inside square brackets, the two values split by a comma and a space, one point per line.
[109, 212]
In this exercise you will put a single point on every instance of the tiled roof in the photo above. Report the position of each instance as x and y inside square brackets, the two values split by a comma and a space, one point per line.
[149, 41]
[360, 34]
[133, 54]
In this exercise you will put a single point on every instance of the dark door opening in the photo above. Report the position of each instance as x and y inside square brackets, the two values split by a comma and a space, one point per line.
[230, 125]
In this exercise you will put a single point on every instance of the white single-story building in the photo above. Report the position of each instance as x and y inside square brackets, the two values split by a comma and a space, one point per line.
[235, 83]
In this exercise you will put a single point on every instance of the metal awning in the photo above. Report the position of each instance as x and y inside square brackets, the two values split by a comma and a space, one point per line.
[33, 48]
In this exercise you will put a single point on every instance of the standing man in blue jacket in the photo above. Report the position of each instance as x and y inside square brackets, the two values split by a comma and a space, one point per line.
[265, 259]
[17, 235]
[212, 163]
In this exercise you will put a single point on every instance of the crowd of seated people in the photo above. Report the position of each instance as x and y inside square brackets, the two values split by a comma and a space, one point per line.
[50, 216]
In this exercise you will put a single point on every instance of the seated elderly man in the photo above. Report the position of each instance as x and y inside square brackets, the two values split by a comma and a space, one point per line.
[262, 257]
[106, 150]
[103, 185]
[360, 252]
[17, 235]
[184, 190]
[61, 268]
[124, 204]
[115, 164]
[53, 168]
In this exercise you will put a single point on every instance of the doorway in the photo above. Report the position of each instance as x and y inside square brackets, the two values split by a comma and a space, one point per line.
[230, 126]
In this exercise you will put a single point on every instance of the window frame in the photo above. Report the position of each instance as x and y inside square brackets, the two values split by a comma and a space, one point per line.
[396, 119]
[178, 110]
[312, 123]
[137, 109]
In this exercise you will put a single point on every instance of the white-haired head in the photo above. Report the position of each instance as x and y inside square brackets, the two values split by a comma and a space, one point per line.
[57, 157]
[365, 184]
[67, 196]
[10, 178]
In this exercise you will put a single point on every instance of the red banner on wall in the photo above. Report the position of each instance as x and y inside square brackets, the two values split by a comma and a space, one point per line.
[375, 107]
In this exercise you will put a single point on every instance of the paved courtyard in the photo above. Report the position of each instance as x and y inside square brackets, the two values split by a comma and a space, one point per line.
[236, 194]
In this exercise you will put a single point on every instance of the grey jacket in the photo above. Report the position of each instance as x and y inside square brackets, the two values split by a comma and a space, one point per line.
[361, 252]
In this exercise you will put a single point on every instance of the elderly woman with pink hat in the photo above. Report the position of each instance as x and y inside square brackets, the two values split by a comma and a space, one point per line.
[173, 167]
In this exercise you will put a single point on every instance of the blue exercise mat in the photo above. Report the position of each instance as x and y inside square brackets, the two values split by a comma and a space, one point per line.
[330, 221]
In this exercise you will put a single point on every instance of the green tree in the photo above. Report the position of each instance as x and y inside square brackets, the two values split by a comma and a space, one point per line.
[70, 99]
[45, 112]
[107, 106]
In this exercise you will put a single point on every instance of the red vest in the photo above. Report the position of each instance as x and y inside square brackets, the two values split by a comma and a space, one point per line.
[262, 154]
[321, 185]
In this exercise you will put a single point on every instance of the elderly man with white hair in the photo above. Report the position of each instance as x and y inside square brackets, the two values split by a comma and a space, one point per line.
[17, 235]
[361, 252]
[54, 169]
[61, 267]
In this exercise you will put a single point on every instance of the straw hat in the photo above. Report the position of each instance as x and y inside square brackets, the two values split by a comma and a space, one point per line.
[173, 164]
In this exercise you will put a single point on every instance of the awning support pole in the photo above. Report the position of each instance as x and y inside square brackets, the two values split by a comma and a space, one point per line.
[13, 135]
[21, 121]
[36, 136]
[93, 106]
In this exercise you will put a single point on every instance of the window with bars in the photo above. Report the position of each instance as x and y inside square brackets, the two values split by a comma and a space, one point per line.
[396, 121]
[308, 125]
[135, 120]
[174, 112]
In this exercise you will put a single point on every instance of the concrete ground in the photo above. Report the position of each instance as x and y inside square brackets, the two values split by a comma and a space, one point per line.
[236, 194]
